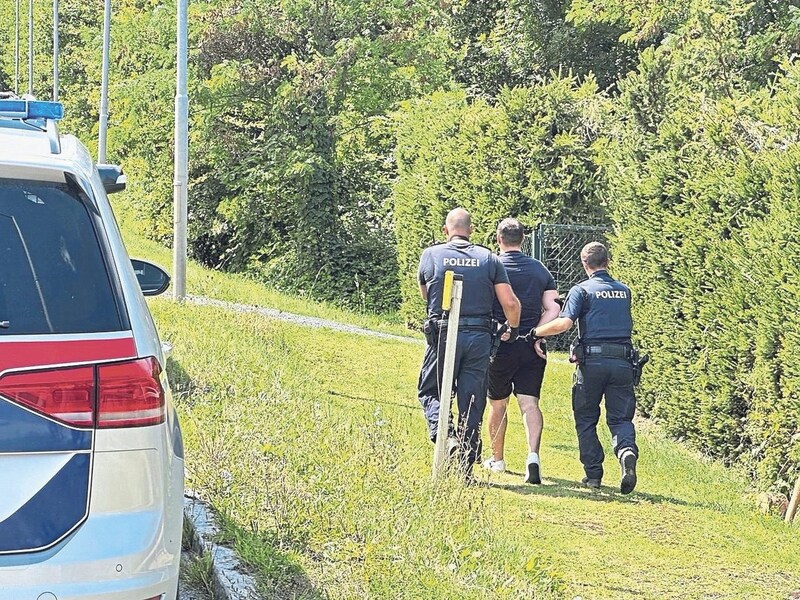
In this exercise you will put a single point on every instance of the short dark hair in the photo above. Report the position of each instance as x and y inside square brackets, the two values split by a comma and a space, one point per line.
[511, 232]
[595, 255]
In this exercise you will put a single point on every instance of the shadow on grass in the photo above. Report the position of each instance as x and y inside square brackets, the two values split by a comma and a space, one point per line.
[185, 390]
[572, 448]
[179, 379]
[563, 488]
[373, 400]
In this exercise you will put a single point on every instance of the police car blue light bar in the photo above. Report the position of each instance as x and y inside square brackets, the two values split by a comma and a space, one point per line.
[31, 109]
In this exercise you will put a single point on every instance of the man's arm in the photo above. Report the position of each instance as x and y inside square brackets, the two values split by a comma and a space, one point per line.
[510, 303]
[550, 311]
[550, 306]
[424, 271]
[554, 327]
[568, 315]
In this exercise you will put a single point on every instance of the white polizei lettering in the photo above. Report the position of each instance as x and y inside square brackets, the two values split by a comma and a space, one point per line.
[461, 262]
[611, 294]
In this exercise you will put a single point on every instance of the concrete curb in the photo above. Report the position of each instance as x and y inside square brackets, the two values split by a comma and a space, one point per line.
[230, 578]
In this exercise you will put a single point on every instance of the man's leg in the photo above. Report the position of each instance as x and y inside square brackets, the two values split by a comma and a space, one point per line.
[533, 419]
[428, 390]
[498, 423]
[587, 391]
[620, 408]
[528, 387]
[501, 373]
[471, 390]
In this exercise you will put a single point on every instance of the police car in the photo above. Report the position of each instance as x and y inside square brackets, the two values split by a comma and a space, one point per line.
[91, 456]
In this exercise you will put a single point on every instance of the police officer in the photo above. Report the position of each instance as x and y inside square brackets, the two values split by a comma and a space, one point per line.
[603, 352]
[519, 366]
[484, 278]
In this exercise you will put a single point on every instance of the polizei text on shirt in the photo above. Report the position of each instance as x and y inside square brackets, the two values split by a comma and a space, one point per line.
[611, 294]
[461, 262]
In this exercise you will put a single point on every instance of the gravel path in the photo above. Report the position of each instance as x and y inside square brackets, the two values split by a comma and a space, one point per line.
[311, 321]
[299, 319]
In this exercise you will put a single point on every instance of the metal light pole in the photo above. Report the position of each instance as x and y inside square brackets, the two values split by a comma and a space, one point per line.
[55, 50]
[16, 49]
[101, 144]
[30, 48]
[181, 154]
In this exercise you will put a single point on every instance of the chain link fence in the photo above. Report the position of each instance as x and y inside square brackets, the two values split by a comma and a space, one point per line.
[559, 247]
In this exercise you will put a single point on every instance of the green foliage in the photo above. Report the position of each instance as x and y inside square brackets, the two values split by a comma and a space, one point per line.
[531, 155]
[702, 182]
[293, 171]
[515, 42]
[329, 139]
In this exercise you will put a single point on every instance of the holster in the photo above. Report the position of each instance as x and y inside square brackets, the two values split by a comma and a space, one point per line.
[576, 353]
[498, 329]
[430, 328]
[638, 361]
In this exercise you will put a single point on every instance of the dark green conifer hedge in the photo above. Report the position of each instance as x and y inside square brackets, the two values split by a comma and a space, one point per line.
[705, 195]
[531, 155]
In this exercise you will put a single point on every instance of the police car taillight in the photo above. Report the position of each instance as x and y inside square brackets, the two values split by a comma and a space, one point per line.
[128, 394]
[66, 395]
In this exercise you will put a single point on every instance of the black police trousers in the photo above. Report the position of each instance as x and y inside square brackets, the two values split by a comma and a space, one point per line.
[470, 380]
[597, 377]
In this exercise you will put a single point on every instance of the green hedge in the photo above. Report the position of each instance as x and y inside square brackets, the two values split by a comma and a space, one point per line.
[531, 156]
[705, 192]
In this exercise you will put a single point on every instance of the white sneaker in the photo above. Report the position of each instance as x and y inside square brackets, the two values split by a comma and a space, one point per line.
[532, 469]
[498, 466]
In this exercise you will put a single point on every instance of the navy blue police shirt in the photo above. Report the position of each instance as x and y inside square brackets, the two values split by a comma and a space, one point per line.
[529, 279]
[602, 307]
[479, 266]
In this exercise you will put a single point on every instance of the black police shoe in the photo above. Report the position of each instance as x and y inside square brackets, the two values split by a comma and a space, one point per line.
[453, 448]
[591, 482]
[628, 464]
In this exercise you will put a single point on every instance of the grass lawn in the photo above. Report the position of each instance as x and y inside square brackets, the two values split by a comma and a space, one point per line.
[312, 444]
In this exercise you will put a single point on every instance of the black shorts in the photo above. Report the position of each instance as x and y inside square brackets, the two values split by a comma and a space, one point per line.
[516, 368]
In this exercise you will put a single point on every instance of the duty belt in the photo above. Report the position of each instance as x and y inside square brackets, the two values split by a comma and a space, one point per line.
[608, 350]
[469, 323]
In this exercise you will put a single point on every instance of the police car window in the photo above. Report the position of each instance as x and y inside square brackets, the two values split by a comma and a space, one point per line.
[52, 275]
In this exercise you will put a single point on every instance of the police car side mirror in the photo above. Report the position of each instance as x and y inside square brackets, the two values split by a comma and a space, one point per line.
[152, 280]
[113, 178]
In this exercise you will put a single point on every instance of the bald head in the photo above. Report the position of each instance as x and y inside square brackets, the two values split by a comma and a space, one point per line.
[458, 222]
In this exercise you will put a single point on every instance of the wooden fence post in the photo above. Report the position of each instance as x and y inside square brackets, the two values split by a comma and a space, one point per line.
[451, 300]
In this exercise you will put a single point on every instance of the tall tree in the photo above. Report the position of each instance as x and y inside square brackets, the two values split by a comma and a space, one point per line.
[294, 172]
[521, 42]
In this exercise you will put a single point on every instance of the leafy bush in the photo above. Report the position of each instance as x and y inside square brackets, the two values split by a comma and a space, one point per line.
[531, 156]
[703, 184]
